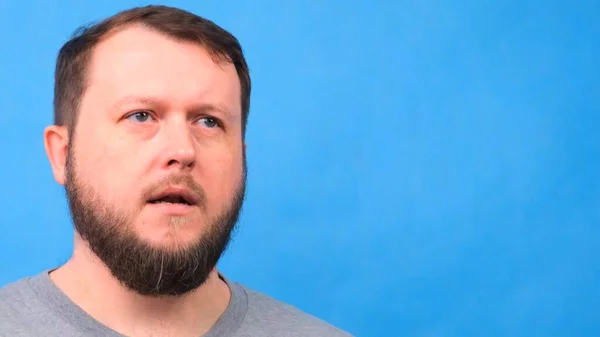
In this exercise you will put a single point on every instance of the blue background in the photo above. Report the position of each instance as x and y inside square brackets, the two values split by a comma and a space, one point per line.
[422, 168]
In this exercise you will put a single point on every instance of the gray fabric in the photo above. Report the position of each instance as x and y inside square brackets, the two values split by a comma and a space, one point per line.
[34, 306]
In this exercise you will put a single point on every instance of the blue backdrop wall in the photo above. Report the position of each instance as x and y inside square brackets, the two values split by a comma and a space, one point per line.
[423, 168]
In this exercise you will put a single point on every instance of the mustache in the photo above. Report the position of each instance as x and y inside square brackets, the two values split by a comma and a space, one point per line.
[177, 179]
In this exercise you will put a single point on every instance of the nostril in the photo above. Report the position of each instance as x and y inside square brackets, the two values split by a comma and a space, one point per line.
[182, 162]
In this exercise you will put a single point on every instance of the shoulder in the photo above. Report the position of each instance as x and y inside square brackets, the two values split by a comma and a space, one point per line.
[13, 295]
[16, 302]
[280, 318]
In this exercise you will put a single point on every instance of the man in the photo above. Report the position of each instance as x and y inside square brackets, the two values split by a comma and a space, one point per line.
[150, 113]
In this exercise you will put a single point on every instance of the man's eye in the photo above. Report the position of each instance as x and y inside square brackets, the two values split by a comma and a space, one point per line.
[209, 122]
[140, 117]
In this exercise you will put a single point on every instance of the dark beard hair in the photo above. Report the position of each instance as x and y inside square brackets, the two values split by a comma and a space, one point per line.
[140, 267]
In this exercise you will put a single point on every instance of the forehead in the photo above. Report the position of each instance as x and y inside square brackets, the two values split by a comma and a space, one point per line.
[137, 61]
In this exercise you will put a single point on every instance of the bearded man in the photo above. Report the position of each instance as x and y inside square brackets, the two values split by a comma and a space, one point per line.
[150, 111]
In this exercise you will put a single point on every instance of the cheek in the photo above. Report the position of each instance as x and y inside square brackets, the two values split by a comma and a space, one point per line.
[223, 176]
[104, 167]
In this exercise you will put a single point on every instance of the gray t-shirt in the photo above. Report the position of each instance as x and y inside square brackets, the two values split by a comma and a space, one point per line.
[34, 306]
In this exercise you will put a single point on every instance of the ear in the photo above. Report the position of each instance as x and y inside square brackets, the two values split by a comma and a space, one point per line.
[56, 143]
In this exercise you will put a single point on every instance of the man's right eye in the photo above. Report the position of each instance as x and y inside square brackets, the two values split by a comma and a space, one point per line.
[140, 117]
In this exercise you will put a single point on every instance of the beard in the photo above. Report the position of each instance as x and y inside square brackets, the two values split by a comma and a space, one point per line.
[147, 269]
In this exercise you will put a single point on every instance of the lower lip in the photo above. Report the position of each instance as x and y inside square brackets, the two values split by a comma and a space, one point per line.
[172, 209]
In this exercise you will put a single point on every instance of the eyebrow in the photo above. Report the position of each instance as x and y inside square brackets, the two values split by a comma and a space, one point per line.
[128, 100]
[154, 101]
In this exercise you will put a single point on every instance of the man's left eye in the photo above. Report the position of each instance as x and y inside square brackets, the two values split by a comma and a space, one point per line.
[209, 122]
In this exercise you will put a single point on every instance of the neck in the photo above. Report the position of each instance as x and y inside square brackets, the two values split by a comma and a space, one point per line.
[90, 285]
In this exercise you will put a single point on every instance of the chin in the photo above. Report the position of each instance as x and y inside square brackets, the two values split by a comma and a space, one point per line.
[174, 232]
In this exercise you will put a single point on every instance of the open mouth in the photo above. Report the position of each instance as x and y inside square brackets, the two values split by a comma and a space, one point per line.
[172, 199]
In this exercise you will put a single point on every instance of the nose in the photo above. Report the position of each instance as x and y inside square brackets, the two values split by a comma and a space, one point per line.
[179, 150]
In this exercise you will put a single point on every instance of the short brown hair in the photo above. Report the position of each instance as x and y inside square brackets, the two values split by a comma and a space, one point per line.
[70, 77]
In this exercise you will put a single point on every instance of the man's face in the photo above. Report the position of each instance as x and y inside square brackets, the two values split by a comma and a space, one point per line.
[156, 166]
